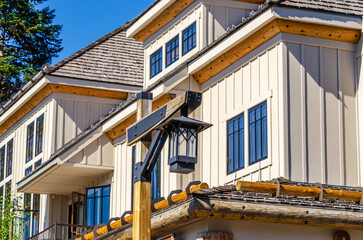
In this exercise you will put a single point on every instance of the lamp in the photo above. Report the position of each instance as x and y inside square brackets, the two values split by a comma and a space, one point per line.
[183, 139]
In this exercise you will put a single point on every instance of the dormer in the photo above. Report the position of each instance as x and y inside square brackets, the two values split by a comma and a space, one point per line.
[173, 32]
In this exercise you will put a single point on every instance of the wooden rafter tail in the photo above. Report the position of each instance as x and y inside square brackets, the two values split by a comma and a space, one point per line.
[302, 191]
[177, 198]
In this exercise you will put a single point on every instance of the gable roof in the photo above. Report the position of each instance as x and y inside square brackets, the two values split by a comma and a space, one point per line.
[349, 7]
[112, 58]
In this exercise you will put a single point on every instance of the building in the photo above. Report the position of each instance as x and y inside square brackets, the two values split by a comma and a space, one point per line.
[279, 82]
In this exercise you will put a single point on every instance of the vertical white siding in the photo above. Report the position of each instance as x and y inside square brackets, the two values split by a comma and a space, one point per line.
[322, 115]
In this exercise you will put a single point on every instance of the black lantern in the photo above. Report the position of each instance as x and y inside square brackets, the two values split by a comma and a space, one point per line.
[183, 138]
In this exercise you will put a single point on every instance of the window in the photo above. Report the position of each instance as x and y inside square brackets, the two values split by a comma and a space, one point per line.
[172, 51]
[235, 144]
[27, 206]
[31, 219]
[257, 133]
[98, 205]
[9, 158]
[155, 180]
[29, 142]
[35, 214]
[189, 38]
[156, 63]
[8, 189]
[37, 164]
[28, 170]
[39, 135]
[2, 163]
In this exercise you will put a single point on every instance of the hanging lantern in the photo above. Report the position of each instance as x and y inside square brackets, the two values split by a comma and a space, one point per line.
[183, 139]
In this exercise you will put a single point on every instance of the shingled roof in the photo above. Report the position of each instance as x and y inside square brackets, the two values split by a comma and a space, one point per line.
[350, 7]
[113, 58]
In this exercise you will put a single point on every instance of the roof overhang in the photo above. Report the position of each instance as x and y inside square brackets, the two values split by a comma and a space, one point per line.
[59, 175]
[264, 27]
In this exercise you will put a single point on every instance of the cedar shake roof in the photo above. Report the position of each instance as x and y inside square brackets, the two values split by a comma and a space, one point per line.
[113, 58]
[350, 7]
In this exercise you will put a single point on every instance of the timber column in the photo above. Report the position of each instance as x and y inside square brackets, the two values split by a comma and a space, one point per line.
[142, 189]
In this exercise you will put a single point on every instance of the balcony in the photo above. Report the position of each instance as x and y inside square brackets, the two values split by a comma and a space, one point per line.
[60, 232]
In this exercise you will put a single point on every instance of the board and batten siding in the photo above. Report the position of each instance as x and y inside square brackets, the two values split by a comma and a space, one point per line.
[322, 131]
[250, 84]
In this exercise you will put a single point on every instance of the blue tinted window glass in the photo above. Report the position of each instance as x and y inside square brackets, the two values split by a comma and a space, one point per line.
[2, 163]
[28, 170]
[235, 142]
[172, 51]
[189, 38]
[156, 60]
[258, 133]
[106, 209]
[98, 192]
[90, 192]
[90, 212]
[155, 180]
[106, 191]
[9, 158]
[98, 205]
[39, 135]
[37, 164]
[98, 210]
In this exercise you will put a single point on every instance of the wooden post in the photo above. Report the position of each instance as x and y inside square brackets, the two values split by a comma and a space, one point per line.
[142, 190]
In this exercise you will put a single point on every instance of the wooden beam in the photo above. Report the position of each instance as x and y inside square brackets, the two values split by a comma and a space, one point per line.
[266, 33]
[163, 19]
[120, 129]
[91, 92]
[302, 191]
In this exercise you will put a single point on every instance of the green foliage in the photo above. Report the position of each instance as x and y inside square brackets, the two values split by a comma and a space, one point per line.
[28, 39]
[11, 217]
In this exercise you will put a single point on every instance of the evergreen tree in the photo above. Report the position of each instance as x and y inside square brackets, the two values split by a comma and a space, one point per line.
[28, 39]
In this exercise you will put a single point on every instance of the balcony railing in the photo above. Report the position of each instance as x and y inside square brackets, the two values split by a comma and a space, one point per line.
[60, 232]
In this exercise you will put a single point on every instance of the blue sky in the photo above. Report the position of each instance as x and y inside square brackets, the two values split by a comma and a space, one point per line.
[85, 21]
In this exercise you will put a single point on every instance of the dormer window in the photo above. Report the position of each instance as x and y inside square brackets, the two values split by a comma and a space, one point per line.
[189, 38]
[172, 51]
[156, 63]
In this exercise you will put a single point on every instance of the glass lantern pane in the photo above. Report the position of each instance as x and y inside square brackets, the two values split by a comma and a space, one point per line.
[182, 145]
[192, 144]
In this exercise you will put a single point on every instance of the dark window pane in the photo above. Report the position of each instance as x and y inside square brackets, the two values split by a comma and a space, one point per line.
[37, 164]
[258, 133]
[189, 38]
[156, 63]
[9, 158]
[235, 144]
[252, 152]
[172, 51]
[39, 135]
[28, 170]
[258, 140]
[2, 163]
[155, 180]
[29, 142]
[264, 138]
[242, 149]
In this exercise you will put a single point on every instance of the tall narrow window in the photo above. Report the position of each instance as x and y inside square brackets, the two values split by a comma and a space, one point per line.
[155, 180]
[35, 214]
[27, 206]
[2, 163]
[172, 51]
[156, 63]
[189, 38]
[235, 143]
[39, 135]
[257, 133]
[98, 205]
[29, 142]
[9, 158]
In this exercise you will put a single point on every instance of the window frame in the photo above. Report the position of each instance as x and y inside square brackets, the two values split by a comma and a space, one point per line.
[254, 122]
[9, 157]
[160, 53]
[29, 143]
[176, 49]
[241, 162]
[39, 135]
[184, 39]
[102, 203]
[2, 163]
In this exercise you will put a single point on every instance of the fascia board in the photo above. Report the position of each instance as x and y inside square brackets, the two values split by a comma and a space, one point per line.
[302, 15]
[148, 17]
[93, 84]
[232, 40]
[23, 99]
[119, 117]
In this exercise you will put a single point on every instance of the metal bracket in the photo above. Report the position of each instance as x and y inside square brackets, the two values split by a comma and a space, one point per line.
[278, 191]
[360, 189]
[321, 196]
[190, 185]
[137, 173]
[123, 221]
[110, 221]
[156, 200]
[172, 193]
